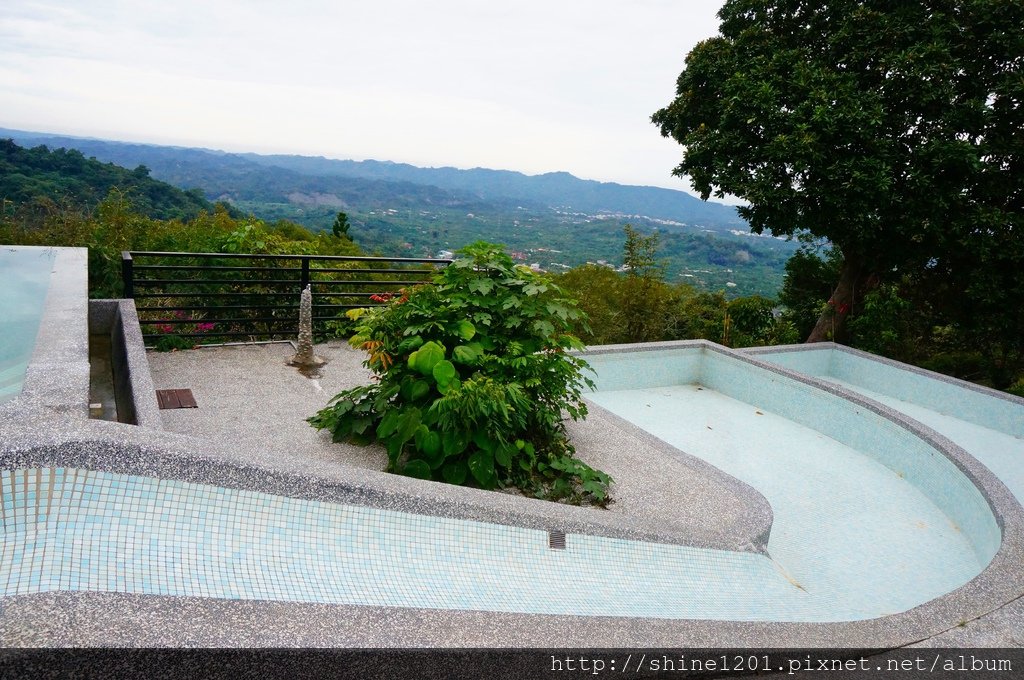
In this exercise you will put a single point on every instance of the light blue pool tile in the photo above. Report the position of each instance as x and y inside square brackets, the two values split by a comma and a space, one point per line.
[133, 534]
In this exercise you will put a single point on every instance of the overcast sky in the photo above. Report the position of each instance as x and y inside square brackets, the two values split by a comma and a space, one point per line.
[528, 85]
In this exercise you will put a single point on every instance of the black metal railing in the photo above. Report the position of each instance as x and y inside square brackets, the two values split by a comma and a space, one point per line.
[220, 296]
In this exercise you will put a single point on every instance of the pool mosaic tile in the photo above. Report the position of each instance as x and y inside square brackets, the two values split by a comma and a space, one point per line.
[71, 529]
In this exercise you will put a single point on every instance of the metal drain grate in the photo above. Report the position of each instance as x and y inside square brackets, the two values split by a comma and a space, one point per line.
[175, 399]
[556, 540]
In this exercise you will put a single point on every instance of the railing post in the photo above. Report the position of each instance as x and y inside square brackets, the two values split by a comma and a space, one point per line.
[304, 276]
[127, 274]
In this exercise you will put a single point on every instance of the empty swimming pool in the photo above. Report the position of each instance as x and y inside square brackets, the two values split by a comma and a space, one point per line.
[24, 280]
[988, 425]
[864, 510]
[870, 520]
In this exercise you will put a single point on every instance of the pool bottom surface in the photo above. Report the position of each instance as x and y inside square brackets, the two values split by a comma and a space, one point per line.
[1002, 453]
[849, 532]
[76, 530]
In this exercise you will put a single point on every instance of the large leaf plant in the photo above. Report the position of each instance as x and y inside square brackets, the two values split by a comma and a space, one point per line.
[473, 376]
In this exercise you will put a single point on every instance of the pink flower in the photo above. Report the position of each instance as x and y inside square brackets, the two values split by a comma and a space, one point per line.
[204, 327]
[164, 328]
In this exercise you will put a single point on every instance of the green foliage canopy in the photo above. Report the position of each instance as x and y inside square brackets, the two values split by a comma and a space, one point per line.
[341, 226]
[809, 281]
[891, 129]
[115, 225]
[66, 175]
[644, 300]
[640, 306]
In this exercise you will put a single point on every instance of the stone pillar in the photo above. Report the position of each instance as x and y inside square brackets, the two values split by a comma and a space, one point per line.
[304, 356]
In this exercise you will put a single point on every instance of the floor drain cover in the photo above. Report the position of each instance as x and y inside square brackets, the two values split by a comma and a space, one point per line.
[556, 540]
[176, 399]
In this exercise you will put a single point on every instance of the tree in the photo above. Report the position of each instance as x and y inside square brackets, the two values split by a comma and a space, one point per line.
[646, 297]
[751, 321]
[340, 228]
[810, 279]
[893, 130]
[599, 292]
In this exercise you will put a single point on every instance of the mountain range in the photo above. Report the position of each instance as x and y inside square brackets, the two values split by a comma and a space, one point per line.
[555, 220]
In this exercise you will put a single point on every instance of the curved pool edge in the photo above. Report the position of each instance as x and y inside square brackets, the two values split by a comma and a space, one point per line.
[999, 583]
[113, 619]
[1005, 506]
[853, 351]
[757, 524]
[108, 619]
[999, 499]
[116, 448]
[1002, 580]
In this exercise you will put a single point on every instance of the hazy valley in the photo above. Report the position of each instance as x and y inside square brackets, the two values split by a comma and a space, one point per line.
[555, 220]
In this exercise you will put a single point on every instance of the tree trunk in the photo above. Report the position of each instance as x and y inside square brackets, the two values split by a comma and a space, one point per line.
[853, 284]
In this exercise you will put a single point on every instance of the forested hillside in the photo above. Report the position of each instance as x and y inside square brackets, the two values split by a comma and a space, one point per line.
[67, 176]
[688, 282]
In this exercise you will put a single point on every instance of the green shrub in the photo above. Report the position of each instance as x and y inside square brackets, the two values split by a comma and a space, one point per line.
[752, 323]
[884, 325]
[959, 364]
[171, 343]
[1017, 388]
[704, 316]
[599, 292]
[472, 377]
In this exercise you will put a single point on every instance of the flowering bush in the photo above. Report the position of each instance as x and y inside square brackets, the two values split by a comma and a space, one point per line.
[472, 380]
[388, 297]
[172, 332]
